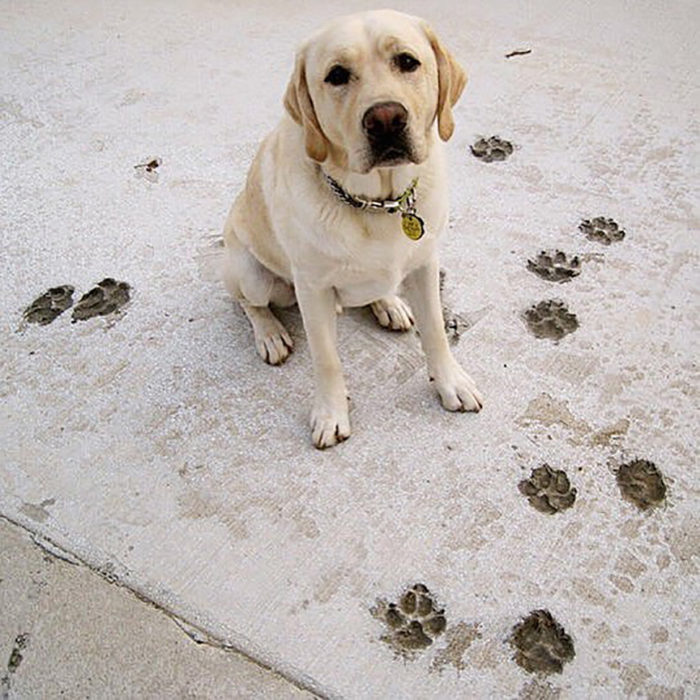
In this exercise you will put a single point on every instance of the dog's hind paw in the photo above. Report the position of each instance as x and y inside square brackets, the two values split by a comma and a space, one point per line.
[392, 312]
[274, 348]
[272, 341]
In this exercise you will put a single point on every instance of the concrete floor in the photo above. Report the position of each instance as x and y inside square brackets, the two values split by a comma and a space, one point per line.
[153, 446]
[65, 632]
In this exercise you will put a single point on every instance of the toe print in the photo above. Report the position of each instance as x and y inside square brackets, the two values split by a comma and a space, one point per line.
[551, 319]
[541, 644]
[494, 148]
[548, 490]
[555, 266]
[601, 230]
[107, 297]
[641, 483]
[50, 305]
[414, 622]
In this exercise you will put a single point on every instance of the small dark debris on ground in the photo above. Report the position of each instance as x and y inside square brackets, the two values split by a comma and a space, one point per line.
[518, 52]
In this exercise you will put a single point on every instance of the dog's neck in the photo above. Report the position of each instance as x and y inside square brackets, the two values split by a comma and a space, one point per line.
[379, 183]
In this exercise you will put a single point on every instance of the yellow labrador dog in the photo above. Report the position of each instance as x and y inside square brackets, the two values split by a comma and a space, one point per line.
[345, 201]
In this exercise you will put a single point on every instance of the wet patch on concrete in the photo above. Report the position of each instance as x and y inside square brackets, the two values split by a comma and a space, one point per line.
[13, 663]
[601, 230]
[641, 483]
[548, 490]
[37, 511]
[611, 434]
[148, 170]
[547, 411]
[555, 266]
[550, 319]
[459, 638]
[108, 297]
[413, 623]
[541, 644]
[493, 148]
[50, 305]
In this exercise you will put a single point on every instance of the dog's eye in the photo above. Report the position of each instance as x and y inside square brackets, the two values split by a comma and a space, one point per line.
[406, 63]
[338, 76]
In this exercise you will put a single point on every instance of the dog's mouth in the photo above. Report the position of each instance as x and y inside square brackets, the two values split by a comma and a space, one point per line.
[390, 152]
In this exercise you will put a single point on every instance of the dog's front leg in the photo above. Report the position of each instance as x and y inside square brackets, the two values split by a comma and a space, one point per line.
[456, 388]
[330, 423]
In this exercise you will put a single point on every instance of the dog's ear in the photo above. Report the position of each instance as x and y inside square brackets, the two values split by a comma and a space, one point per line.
[298, 103]
[451, 82]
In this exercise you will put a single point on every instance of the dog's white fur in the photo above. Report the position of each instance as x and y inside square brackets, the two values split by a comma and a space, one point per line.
[289, 238]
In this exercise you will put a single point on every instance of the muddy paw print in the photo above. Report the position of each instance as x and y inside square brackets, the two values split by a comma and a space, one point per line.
[541, 644]
[414, 622]
[555, 266]
[50, 305]
[548, 490]
[455, 324]
[494, 148]
[641, 483]
[601, 230]
[106, 298]
[551, 319]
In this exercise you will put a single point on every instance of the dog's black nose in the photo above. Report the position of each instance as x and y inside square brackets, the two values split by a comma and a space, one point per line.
[385, 119]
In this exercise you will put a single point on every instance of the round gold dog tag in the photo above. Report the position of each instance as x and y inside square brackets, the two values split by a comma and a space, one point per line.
[412, 225]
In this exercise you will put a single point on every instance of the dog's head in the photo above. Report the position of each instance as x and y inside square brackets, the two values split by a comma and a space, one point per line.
[368, 88]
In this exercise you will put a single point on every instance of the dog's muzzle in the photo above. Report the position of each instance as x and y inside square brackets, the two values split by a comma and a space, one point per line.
[385, 125]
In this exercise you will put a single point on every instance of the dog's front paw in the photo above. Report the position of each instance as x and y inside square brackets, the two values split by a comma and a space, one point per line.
[457, 389]
[330, 423]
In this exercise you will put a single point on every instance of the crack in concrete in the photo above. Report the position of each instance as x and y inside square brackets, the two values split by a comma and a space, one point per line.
[111, 574]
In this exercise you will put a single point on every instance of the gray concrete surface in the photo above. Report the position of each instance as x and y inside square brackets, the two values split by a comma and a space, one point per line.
[153, 445]
[66, 632]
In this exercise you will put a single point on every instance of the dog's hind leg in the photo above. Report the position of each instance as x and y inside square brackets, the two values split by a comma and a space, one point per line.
[272, 341]
[254, 286]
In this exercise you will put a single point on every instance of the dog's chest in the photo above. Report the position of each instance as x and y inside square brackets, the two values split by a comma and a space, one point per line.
[373, 258]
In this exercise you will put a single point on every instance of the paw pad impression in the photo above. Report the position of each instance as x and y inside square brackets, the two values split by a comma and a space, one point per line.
[548, 490]
[414, 622]
[494, 148]
[541, 644]
[551, 319]
[601, 230]
[555, 266]
[50, 305]
[455, 324]
[642, 483]
[107, 297]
